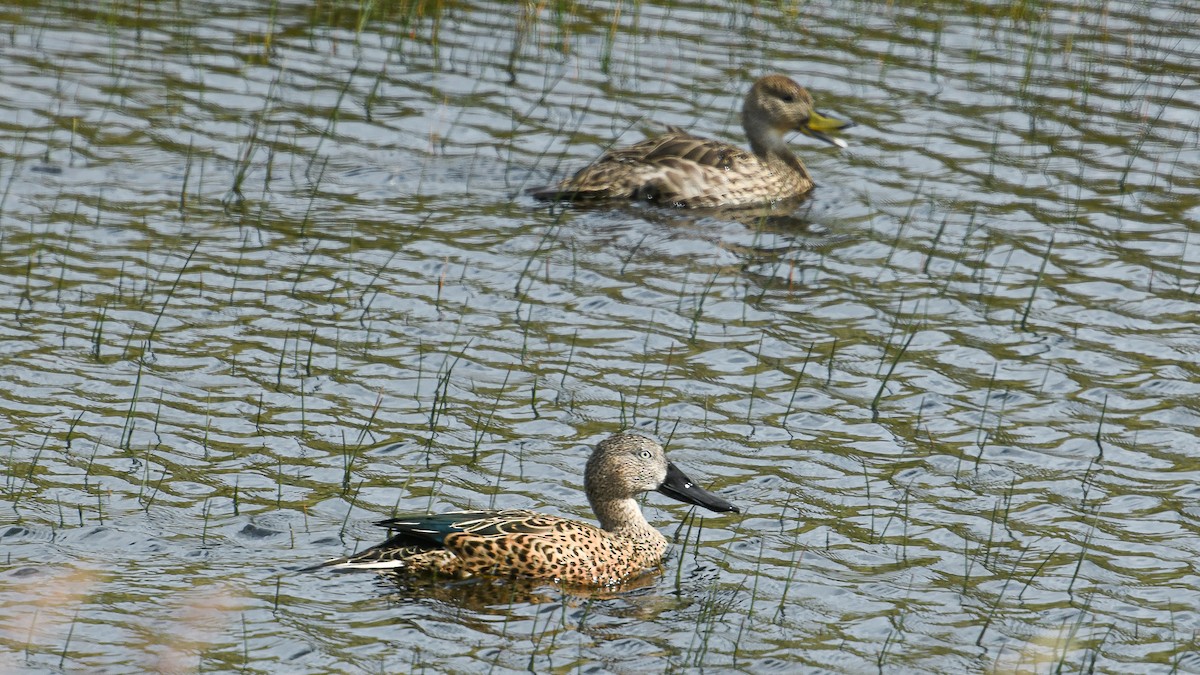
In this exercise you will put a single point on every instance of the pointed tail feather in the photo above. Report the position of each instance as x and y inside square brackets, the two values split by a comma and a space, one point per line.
[554, 193]
[370, 559]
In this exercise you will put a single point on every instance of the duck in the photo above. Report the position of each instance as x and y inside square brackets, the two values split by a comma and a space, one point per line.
[531, 545]
[683, 170]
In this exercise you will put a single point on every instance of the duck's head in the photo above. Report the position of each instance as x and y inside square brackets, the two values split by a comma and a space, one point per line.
[777, 105]
[626, 465]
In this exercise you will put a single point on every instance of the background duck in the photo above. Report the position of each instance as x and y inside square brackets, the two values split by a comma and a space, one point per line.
[680, 169]
[461, 544]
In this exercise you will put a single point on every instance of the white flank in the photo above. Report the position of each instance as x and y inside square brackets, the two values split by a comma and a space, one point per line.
[375, 565]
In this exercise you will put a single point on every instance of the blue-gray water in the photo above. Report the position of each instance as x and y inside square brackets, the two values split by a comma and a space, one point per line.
[268, 274]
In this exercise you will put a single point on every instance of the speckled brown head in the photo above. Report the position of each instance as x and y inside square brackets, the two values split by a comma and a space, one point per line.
[777, 105]
[626, 465]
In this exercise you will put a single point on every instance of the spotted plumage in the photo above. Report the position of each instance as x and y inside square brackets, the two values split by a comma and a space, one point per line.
[522, 543]
[680, 169]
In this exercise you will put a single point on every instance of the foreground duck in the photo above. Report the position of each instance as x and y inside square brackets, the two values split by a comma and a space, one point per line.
[462, 544]
[680, 169]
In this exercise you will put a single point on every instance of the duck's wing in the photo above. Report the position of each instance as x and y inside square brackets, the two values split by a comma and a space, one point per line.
[678, 145]
[421, 538]
[674, 168]
[434, 529]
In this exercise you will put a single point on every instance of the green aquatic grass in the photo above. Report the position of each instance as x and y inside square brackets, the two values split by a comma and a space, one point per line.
[689, 521]
[29, 472]
[303, 409]
[1036, 571]
[314, 191]
[330, 124]
[1100, 429]
[279, 492]
[754, 382]
[170, 294]
[352, 451]
[302, 272]
[866, 474]
[1037, 282]
[698, 307]
[12, 174]
[287, 334]
[187, 174]
[891, 370]
[992, 611]
[441, 399]
[794, 561]
[130, 420]
[796, 383]
[829, 370]
[496, 489]
[205, 512]
[663, 387]
[933, 244]
[249, 148]
[484, 429]
[570, 360]
[982, 434]
[533, 397]
[353, 500]
[1145, 132]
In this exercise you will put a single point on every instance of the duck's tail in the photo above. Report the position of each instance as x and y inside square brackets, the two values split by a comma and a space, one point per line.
[557, 193]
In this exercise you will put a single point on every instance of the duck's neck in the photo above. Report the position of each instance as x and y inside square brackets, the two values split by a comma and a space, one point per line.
[769, 146]
[622, 516]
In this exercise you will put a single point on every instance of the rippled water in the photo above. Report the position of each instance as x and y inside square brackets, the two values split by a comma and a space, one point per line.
[269, 275]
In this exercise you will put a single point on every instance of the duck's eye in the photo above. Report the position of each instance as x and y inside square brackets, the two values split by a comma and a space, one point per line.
[787, 98]
[645, 454]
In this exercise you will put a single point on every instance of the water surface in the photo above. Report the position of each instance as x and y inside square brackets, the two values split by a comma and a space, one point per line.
[269, 275]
